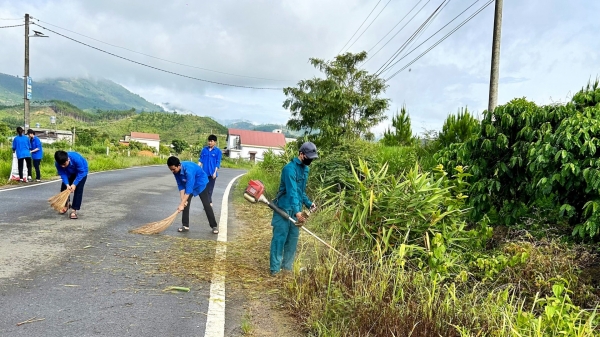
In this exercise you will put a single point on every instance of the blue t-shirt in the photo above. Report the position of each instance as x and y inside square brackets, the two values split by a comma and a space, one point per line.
[36, 144]
[77, 165]
[21, 146]
[191, 177]
[210, 159]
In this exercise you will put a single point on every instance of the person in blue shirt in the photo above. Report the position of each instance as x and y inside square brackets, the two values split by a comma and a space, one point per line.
[191, 181]
[73, 170]
[290, 198]
[36, 153]
[22, 148]
[210, 160]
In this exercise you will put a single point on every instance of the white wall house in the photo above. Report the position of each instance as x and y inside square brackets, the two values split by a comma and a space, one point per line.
[251, 145]
[150, 139]
[49, 136]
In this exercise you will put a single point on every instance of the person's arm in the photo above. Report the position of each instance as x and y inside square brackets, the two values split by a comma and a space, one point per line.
[82, 168]
[14, 148]
[35, 145]
[200, 157]
[288, 176]
[218, 162]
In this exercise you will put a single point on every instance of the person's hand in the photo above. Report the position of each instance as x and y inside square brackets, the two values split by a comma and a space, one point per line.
[313, 207]
[180, 207]
[300, 218]
[72, 188]
[214, 175]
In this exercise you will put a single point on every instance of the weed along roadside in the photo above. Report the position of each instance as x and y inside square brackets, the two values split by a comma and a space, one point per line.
[417, 267]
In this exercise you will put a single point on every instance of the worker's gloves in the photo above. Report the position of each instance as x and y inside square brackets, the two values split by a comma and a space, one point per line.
[313, 207]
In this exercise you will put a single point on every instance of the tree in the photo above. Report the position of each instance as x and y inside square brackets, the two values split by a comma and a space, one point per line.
[345, 104]
[402, 133]
[179, 145]
[459, 128]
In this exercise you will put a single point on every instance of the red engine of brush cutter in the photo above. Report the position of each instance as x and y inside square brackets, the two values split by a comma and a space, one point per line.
[255, 189]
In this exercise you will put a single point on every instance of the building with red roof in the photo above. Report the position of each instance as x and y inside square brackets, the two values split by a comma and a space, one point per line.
[252, 145]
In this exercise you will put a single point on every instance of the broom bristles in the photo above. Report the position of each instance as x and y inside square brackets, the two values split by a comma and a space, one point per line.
[59, 201]
[155, 227]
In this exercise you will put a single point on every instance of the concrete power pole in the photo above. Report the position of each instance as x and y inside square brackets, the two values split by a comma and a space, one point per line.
[493, 98]
[26, 77]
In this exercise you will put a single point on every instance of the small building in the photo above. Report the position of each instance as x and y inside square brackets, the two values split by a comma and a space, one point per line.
[49, 136]
[252, 145]
[150, 139]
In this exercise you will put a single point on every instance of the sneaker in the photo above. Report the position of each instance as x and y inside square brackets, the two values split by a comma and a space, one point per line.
[29, 178]
[38, 180]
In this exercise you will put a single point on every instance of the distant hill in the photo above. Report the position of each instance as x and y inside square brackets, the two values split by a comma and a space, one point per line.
[191, 128]
[86, 94]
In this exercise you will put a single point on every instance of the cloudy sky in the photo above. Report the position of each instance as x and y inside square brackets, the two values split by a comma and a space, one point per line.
[550, 49]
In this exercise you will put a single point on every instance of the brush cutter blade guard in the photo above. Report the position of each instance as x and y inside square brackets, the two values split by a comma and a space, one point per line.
[255, 189]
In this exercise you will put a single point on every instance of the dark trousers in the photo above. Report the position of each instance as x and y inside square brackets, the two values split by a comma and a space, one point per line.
[78, 194]
[36, 165]
[210, 187]
[20, 166]
[185, 218]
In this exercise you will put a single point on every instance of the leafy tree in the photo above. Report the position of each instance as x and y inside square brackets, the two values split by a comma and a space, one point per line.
[179, 145]
[345, 104]
[459, 128]
[402, 133]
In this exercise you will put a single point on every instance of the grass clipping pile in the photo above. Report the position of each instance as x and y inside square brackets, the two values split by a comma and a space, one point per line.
[247, 263]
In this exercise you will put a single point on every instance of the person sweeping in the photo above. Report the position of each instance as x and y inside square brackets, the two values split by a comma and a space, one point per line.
[290, 198]
[191, 181]
[73, 170]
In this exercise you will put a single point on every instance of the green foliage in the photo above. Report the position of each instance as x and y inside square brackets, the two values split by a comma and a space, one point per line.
[402, 134]
[345, 104]
[179, 145]
[458, 128]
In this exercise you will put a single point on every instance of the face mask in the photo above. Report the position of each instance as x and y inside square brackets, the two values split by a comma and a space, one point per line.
[306, 161]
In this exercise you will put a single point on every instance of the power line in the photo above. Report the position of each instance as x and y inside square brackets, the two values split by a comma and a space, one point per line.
[155, 68]
[361, 34]
[351, 37]
[403, 46]
[12, 26]
[442, 39]
[158, 58]
[391, 30]
[422, 31]
[432, 35]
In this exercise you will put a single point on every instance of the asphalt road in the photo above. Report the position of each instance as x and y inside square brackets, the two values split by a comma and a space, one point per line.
[90, 277]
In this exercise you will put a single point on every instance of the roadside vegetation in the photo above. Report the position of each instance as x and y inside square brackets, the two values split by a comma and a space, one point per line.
[487, 228]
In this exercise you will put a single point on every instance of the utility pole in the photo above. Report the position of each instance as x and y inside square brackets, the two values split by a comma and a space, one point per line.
[26, 77]
[493, 98]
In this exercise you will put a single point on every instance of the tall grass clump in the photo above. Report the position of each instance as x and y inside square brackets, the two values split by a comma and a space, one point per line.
[414, 267]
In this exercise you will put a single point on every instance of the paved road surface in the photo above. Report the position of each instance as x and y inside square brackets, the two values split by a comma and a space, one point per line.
[90, 277]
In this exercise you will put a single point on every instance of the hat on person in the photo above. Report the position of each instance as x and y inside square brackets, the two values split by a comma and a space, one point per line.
[310, 150]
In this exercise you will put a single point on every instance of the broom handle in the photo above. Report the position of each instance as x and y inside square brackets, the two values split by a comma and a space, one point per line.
[285, 215]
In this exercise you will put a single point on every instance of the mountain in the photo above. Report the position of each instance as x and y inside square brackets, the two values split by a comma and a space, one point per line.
[84, 93]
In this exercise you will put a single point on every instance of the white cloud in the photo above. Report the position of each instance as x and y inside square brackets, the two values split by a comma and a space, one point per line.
[549, 49]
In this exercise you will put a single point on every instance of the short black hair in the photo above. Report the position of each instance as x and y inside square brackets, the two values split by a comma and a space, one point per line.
[61, 157]
[212, 137]
[19, 130]
[30, 132]
[173, 161]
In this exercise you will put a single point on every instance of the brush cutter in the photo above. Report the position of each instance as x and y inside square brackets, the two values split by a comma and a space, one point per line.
[254, 193]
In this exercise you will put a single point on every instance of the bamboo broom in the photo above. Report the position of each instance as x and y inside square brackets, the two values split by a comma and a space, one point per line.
[155, 227]
[59, 201]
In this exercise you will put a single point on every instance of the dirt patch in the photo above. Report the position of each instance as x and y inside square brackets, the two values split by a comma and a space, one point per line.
[264, 312]
[146, 153]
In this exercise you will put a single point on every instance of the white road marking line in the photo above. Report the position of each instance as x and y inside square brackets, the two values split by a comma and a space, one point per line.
[215, 321]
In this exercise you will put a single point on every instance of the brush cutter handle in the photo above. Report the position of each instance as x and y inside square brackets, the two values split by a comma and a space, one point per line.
[280, 212]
